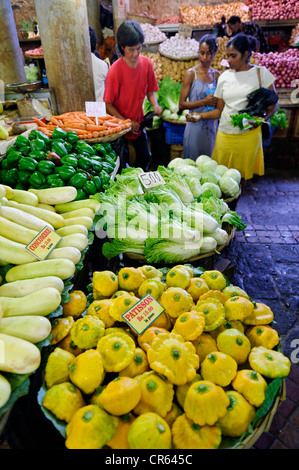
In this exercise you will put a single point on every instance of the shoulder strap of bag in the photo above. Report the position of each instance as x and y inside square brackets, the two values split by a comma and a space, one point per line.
[259, 76]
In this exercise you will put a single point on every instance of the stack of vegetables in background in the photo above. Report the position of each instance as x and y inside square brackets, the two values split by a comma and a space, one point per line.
[211, 14]
[201, 376]
[171, 222]
[272, 10]
[284, 65]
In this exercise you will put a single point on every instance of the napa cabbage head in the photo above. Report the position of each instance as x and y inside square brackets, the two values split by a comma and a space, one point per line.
[214, 188]
[228, 185]
[169, 251]
[189, 170]
[221, 169]
[209, 177]
[234, 174]
[194, 185]
[205, 163]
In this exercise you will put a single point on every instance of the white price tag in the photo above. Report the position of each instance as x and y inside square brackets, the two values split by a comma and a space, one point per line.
[151, 179]
[185, 30]
[95, 109]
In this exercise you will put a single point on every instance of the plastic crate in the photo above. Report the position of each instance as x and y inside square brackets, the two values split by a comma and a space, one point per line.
[174, 133]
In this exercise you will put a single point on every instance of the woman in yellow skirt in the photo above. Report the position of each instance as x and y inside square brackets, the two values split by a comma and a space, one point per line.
[236, 148]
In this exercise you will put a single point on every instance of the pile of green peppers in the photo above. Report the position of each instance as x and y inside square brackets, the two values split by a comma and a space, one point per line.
[39, 162]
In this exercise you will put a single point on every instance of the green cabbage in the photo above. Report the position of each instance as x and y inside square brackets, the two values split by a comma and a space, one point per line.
[228, 185]
[214, 188]
[205, 163]
[221, 169]
[234, 174]
[189, 170]
[209, 177]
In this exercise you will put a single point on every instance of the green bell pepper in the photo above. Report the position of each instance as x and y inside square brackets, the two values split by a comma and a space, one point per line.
[84, 147]
[5, 164]
[59, 133]
[36, 134]
[105, 178]
[38, 155]
[96, 166]
[100, 149]
[53, 157]
[59, 148]
[27, 164]
[37, 145]
[25, 150]
[21, 140]
[84, 163]
[112, 156]
[80, 195]
[97, 182]
[54, 181]
[78, 180]
[13, 158]
[108, 147]
[65, 172]
[72, 137]
[37, 179]
[46, 167]
[24, 176]
[69, 160]
[108, 167]
[11, 177]
[89, 187]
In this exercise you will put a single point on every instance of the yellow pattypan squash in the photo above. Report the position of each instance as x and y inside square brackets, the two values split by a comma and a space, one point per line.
[219, 368]
[130, 279]
[90, 428]
[63, 400]
[147, 337]
[152, 286]
[215, 294]
[173, 414]
[100, 308]
[190, 325]
[87, 331]
[251, 385]
[205, 403]
[215, 279]
[149, 431]
[86, 371]
[263, 335]
[204, 345]
[105, 283]
[188, 435]
[156, 394]
[235, 344]
[120, 305]
[230, 291]
[188, 267]
[260, 315]
[61, 328]
[213, 312]
[197, 287]
[226, 325]
[150, 271]
[269, 363]
[118, 293]
[163, 321]
[174, 358]
[175, 301]
[238, 417]
[178, 277]
[137, 366]
[76, 306]
[120, 396]
[68, 345]
[120, 438]
[57, 367]
[181, 390]
[238, 308]
[117, 351]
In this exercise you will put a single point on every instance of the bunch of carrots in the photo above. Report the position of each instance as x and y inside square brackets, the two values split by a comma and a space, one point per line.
[85, 126]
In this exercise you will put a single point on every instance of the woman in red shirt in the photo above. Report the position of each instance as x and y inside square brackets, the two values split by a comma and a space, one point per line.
[129, 80]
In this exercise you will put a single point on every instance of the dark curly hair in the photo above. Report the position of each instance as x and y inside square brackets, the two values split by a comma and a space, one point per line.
[129, 34]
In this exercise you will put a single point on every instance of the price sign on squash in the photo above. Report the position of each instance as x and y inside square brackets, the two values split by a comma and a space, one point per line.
[43, 243]
[150, 179]
[143, 313]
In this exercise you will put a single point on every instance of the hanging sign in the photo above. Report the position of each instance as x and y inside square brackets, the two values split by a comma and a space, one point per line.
[122, 8]
[43, 243]
[150, 179]
[95, 109]
[185, 30]
[143, 313]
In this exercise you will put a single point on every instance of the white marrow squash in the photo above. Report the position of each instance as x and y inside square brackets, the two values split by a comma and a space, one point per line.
[62, 268]
[21, 356]
[55, 195]
[27, 286]
[33, 328]
[41, 302]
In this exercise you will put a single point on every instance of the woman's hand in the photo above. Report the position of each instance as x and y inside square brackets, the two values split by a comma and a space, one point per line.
[135, 127]
[210, 100]
[193, 117]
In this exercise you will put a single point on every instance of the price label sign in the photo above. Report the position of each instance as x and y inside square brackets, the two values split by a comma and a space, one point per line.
[43, 243]
[143, 313]
[95, 109]
[151, 179]
[185, 30]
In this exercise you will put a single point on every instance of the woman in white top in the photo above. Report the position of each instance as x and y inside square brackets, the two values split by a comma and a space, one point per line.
[236, 148]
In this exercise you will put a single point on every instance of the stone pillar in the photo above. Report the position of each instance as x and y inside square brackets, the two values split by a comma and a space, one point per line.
[93, 15]
[64, 33]
[11, 59]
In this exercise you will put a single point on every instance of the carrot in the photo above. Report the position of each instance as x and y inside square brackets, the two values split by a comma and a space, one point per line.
[93, 127]
[39, 122]
[111, 124]
[54, 121]
[78, 131]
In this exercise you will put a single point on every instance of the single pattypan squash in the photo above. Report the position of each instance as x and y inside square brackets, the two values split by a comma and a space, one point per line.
[173, 414]
[178, 277]
[61, 328]
[95, 397]
[90, 428]
[162, 321]
[149, 431]
[120, 438]
[238, 417]
[213, 312]
[215, 294]
[68, 345]
[260, 315]
[174, 358]
[181, 390]
[175, 301]
[87, 331]
[152, 286]
[205, 403]
[150, 271]
[118, 293]
[130, 279]
[238, 308]
[63, 400]
[215, 279]
[188, 435]
[137, 366]
[147, 337]
[269, 363]
[100, 308]
[235, 344]
[226, 325]
[251, 385]
[86, 371]
[57, 367]
[219, 368]
[190, 325]
[197, 287]
[263, 335]
[120, 305]
[105, 283]
[156, 394]
[120, 396]
[76, 305]
[204, 345]
[118, 329]
[230, 291]
[117, 351]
